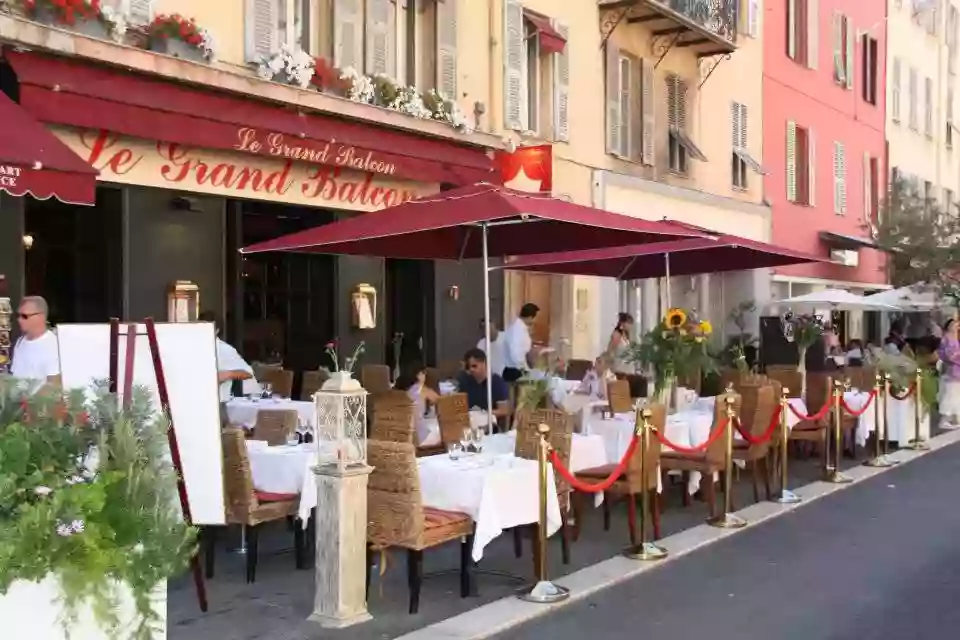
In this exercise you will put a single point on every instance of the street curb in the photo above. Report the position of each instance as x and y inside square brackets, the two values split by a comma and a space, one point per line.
[496, 617]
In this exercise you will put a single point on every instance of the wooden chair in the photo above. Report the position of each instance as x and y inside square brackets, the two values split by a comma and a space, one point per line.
[453, 414]
[729, 377]
[311, 383]
[281, 380]
[577, 369]
[262, 371]
[789, 378]
[375, 378]
[618, 396]
[528, 447]
[275, 425]
[433, 379]
[450, 369]
[819, 386]
[394, 418]
[756, 420]
[630, 484]
[250, 508]
[707, 462]
[396, 517]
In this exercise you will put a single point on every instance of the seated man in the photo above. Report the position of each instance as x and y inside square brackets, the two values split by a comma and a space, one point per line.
[473, 382]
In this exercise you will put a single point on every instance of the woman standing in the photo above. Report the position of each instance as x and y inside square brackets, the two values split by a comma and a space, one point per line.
[618, 346]
[949, 353]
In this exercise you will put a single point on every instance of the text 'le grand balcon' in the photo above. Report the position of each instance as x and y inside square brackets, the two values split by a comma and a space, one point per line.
[707, 27]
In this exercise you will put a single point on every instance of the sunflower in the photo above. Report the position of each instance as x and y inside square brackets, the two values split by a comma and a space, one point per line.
[705, 327]
[675, 318]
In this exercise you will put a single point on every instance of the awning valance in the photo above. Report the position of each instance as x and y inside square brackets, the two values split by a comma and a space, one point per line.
[550, 39]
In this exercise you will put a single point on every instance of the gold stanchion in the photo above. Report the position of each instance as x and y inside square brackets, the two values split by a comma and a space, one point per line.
[833, 472]
[543, 591]
[886, 420]
[879, 458]
[645, 550]
[917, 444]
[786, 496]
[727, 520]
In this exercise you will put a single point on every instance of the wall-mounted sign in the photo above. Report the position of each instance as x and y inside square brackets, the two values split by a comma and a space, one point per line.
[527, 168]
[289, 178]
[9, 175]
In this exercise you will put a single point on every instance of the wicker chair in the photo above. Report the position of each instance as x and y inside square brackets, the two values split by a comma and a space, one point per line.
[707, 462]
[789, 378]
[281, 380]
[375, 378]
[757, 411]
[528, 447]
[274, 425]
[394, 418]
[396, 517]
[432, 379]
[262, 371]
[450, 369]
[453, 414]
[312, 382]
[250, 508]
[630, 484]
[819, 388]
[618, 395]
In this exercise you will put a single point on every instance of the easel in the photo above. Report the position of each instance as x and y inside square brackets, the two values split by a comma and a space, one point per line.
[130, 352]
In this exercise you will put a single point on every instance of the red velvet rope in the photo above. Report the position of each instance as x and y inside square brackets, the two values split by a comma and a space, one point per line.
[774, 423]
[824, 410]
[913, 387]
[699, 448]
[579, 485]
[857, 414]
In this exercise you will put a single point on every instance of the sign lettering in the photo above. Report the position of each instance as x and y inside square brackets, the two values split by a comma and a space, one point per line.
[250, 140]
[8, 176]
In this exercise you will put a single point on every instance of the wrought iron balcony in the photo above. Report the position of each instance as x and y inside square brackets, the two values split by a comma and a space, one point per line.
[708, 27]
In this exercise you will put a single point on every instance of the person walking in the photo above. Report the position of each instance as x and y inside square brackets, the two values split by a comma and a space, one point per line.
[518, 343]
[949, 353]
[36, 354]
[619, 345]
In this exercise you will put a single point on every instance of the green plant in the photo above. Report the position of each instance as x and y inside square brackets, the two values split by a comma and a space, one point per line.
[902, 370]
[677, 348]
[734, 353]
[89, 499]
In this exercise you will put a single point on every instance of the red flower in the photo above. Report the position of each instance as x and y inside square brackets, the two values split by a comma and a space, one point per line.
[331, 345]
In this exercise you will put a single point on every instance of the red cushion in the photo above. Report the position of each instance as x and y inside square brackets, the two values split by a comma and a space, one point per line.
[266, 496]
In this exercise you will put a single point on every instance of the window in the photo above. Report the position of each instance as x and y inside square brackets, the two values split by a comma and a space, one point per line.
[625, 66]
[928, 107]
[895, 91]
[802, 31]
[271, 24]
[948, 128]
[741, 160]
[871, 186]
[843, 54]
[428, 33]
[801, 165]
[750, 12]
[953, 21]
[912, 97]
[419, 41]
[681, 147]
[948, 201]
[531, 59]
[839, 178]
[927, 190]
[630, 106]
[870, 49]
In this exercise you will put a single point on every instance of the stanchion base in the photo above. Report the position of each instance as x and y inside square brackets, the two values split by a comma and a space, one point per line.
[788, 497]
[917, 445]
[835, 477]
[879, 462]
[544, 592]
[646, 551]
[727, 521]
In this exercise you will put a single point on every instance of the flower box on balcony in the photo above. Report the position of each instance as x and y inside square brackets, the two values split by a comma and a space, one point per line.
[88, 24]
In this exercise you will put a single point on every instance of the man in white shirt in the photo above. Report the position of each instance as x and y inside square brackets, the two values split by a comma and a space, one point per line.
[517, 343]
[36, 355]
[230, 364]
[495, 354]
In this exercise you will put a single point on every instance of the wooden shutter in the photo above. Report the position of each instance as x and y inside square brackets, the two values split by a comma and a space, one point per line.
[792, 161]
[676, 102]
[735, 124]
[839, 178]
[867, 187]
[813, 33]
[811, 169]
[895, 92]
[613, 97]
[753, 18]
[447, 48]
[635, 91]
[380, 30]
[348, 34]
[514, 82]
[649, 120]
[743, 127]
[260, 29]
[561, 88]
[140, 11]
[850, 50]
[792, 29]
[839, 59]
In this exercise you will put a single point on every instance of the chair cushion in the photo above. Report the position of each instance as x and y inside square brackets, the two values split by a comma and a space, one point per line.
[441, 526]
[266, 496]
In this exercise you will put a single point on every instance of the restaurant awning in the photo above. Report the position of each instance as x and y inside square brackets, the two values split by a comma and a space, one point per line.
[449, 226]
[33, 161]
[687, 257]
[550, 39]
[71, 92]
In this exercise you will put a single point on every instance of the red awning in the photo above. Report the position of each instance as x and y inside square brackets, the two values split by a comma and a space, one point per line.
[692, 256]
[33, 161]
[448, 227]
[71, 92]
[550, 39]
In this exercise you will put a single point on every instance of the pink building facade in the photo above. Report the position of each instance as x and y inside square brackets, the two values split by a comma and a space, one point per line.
[823, 146]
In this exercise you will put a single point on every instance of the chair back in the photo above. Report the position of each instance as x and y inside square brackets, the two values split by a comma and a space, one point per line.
[394, 418]
[375, 378]
[433, 379]
[274, 425]
[311, 383]
[241, 499]
[819, 391]
[618, 395]
[729, 377]
[717, 451]
[577, 369]
[395, 514]
[658, 420]
[262, 371]
[450, 369]
[765, 407]
[281, 380]
[694, 380]
[560, 438]
[749, 387]
[789, 378]
[862, 378]
[453, 414]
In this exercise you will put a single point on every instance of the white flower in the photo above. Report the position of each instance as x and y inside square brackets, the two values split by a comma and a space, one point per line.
[138, 548]
[64, 531]
[75, 480]
[43, 491]
[77, 526]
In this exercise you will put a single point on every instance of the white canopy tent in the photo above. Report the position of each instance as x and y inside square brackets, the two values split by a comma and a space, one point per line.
[915, 297]
[835, 300]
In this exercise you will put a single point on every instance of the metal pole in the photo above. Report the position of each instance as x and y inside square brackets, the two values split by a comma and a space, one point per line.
[917, 444]
[666, 260]
[879, 459]
[645, 550]
[786, 496]
[886, 417]
[727, 520]
[486, 323]
[833, 474]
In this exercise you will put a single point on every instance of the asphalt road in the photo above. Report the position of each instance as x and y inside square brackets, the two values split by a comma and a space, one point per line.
[878, 561]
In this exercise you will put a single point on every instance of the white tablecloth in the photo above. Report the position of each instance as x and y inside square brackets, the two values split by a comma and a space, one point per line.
[280, 469]
[900, 424]
[586, 451]
[244, 412]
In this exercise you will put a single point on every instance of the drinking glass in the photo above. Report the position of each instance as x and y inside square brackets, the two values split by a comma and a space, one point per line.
[455, 450]
[478, 440]
[293, 438]
[465, 438]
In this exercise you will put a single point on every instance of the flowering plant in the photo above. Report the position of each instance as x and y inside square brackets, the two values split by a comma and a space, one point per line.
[88, 499]
[69, 12]
[289, 65]
[677, 348]
[804, 330]
[176, 27]
[348, 364]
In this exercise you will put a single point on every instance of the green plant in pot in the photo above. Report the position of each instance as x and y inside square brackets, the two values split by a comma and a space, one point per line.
[803, 330]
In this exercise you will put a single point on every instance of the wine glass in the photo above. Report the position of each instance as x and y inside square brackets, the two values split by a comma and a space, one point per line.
[454, 449]
[293, 437]
[465, 438]
[478, 439]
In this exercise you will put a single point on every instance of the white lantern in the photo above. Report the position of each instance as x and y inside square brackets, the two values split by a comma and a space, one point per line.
[341, 419]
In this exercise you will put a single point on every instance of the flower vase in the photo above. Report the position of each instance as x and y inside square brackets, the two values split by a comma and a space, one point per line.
[342, 380]
[176, 48]
[802, 369]
[667, 396]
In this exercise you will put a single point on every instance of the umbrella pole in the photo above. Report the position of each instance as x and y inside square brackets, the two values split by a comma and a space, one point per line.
[486, 324]
[666, 260]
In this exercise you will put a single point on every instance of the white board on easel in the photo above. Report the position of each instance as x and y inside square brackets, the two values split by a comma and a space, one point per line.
[188, 355]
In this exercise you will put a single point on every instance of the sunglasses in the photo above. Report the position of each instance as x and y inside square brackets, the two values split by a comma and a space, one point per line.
[27, 316]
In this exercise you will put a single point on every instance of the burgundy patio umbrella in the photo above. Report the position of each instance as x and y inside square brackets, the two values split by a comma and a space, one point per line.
[477, 221]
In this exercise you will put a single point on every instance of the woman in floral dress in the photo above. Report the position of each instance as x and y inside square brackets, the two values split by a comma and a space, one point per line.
[949, 353]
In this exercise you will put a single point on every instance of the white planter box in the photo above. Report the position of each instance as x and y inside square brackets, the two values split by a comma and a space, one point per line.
[30, 611]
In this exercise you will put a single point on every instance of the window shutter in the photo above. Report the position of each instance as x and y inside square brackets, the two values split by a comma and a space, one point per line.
[753, 18]
[743, 127]
[260, 29]
[446, 48]
[626, 104]
[635, 91]
[912, 97]
[850, 51]
[513, 51]
[792, 161]
[895, 92]
[613, 98]
[561, 88]
[348, 34]
[811, 169]
[813, 33]
[681, 104]
[839, 179]
[140, 11]
[380, 25]
[867, 188]
[792, 29]
[676, 102]
[649, 112]
[838, 49]
[735, 124]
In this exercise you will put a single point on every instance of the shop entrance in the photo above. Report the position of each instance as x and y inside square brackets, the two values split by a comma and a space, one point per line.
[409, 287]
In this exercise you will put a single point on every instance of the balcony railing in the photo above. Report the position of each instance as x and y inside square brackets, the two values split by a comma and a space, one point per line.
[708, 27]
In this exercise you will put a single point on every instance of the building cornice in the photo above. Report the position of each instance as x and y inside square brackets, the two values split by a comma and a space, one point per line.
[20, 32]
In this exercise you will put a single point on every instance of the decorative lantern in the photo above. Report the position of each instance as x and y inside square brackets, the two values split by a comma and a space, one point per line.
[183, 301]
[341, 419]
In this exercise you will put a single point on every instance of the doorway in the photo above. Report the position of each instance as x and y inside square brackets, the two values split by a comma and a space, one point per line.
[409, 288]
[536, 289]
